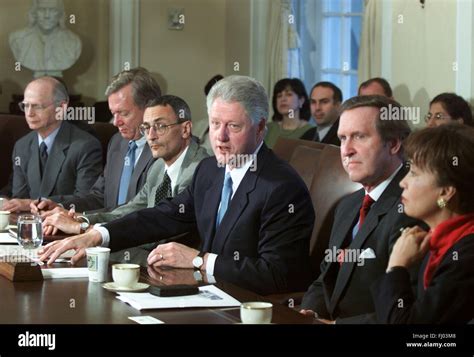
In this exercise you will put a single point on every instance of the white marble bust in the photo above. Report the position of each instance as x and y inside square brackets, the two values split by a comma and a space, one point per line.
[46, 46]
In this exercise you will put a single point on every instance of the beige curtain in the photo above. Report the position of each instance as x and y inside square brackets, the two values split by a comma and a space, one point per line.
[281, 36]
[370, 50]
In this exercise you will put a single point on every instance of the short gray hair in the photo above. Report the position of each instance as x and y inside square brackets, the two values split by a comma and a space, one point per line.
[242, 89]
[144, 86]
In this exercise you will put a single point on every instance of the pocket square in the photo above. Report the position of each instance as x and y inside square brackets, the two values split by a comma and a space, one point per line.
[367, 254]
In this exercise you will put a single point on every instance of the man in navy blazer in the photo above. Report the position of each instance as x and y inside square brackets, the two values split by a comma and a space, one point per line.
[252, 211]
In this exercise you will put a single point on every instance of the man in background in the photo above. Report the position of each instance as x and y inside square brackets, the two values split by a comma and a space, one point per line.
[325, 102]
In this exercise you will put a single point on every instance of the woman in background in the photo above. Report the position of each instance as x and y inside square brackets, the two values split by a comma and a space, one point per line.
[291, 111]
[448, 108]
[437, 190]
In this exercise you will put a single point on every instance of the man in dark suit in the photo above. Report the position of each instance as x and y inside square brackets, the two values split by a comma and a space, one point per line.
[325, 102]
[252, 211]
[56, 159]
[367, 222]
[128, 156]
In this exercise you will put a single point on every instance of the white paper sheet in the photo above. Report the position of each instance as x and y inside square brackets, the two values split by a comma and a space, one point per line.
[65, 273]
[209, 296]
[7, 238]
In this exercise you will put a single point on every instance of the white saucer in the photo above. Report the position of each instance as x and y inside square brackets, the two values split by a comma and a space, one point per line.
[113, 287]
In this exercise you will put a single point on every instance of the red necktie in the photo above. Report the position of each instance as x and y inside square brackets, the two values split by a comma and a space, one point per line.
[368, 201]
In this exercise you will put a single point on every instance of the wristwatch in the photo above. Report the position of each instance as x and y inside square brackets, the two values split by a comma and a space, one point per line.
[198, 261]
[84, 226]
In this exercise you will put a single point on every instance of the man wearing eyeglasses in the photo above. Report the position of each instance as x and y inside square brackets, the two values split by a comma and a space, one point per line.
[252, 211]
[56, 159]
[167, 127]
[128, 156]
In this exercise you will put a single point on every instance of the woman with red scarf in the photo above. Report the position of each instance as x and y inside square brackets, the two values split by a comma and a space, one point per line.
[438, 190]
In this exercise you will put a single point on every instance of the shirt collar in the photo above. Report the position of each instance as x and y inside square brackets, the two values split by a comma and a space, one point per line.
[49, 140]
[380, 188]
[140, 142]
[175, 167]
[237, 173]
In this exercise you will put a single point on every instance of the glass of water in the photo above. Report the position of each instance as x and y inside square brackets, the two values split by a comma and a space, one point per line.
[30, 231]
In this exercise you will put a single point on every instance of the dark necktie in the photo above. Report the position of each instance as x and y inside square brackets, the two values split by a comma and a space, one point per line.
[364, 210]
[164, 190]
[127, 171]
[43, 154]
[316, 136]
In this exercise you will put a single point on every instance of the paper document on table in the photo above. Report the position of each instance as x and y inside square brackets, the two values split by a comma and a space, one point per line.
[7, 238]
[209, 296]
[65, 273]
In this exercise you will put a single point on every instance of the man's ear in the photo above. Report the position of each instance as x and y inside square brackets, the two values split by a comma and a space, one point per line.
[187, 129]
[395, 146]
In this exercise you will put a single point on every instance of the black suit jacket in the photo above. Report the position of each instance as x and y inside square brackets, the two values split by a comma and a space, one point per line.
[344, 292]
[263, 240]
[104, 192]
[74, 163]
[330, 138]
[447, 300]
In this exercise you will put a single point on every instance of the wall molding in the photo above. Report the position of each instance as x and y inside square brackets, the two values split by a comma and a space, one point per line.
[124, 34]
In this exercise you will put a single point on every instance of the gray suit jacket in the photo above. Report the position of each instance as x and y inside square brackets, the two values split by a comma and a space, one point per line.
[74, 163]
[105, 191]
[146, 197]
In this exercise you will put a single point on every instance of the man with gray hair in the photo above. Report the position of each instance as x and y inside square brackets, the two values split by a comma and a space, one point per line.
[56, 159]
[252, 211]
[128, 156]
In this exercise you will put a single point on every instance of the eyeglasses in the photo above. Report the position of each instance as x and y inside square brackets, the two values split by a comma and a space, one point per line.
[437, 117]
[24, 107]
[159, 128]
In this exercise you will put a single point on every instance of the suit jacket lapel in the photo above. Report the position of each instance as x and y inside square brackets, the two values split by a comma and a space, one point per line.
[212, 197]
[115, 167]
[332, 133]
[137, 171]
[157, 181]
[375, 215]
[183, 171]
[238, 203]
[55, 161]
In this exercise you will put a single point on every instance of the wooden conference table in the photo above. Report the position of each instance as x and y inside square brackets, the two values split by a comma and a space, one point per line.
[78, 301]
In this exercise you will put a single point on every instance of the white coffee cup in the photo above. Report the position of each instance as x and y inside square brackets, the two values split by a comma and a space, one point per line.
[125, 275]
[98, 263]
[256, 312]
[4, 219]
